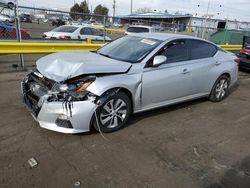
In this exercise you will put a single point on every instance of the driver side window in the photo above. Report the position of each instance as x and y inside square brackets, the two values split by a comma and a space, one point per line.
[175, 51]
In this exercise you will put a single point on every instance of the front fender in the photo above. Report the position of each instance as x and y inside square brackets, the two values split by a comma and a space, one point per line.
[130, 82]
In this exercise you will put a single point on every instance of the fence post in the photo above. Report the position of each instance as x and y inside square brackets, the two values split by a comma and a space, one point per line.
[18, 31]
[104, 22]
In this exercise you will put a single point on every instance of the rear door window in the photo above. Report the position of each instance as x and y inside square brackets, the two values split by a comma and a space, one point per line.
[175, 51]
[66, 29]
[201, 49]
[86, 31]
[96, 32]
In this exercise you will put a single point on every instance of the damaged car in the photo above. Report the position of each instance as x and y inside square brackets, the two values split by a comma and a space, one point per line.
[72, 92]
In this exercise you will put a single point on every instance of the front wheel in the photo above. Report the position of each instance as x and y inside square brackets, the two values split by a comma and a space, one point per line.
[220, 89]
[113, 114]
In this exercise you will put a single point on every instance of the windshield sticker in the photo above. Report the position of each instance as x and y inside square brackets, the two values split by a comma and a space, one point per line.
[150, 42]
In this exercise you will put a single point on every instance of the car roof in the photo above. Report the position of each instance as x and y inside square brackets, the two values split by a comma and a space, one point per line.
[141, 26]
[163, 36]
[79, 26]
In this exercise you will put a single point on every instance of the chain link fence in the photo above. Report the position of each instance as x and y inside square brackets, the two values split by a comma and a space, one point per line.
[46, 25]
[42, 25]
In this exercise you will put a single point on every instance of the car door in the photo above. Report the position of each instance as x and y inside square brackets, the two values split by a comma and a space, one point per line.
[170, 81]
[86, 33]
[97, 35]
[205, 66]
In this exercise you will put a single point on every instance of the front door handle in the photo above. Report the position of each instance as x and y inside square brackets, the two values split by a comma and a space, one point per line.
[185, 71]
[217, 63]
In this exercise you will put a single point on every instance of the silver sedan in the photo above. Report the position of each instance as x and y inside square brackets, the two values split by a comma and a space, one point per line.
[71, 92]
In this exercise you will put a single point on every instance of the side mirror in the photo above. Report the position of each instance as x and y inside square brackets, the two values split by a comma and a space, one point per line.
[158, 60]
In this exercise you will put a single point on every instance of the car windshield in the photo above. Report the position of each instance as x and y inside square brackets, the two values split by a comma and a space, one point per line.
[130, 49]
[66, 29]
[138, 30]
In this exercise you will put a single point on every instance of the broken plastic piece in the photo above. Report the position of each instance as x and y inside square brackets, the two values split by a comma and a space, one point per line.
[32, 162]
[77, 183]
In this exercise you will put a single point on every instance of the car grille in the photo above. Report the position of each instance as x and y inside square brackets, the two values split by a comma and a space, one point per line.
[33, 89]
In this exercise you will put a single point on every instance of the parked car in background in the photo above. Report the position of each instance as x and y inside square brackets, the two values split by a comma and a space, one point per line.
[7, 19]
[244, 56]
[157, 27]
[12, 34]
[71, 92]
[139, 29]
[58, 22]
[25, 18]
[245, 51]
[117, 25]
[9, 3]
[75, 32]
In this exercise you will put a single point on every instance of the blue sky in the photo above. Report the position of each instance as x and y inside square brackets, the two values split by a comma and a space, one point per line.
[232, 9]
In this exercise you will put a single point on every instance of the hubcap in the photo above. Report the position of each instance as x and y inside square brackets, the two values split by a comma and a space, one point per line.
[113, 113]
[221, 89]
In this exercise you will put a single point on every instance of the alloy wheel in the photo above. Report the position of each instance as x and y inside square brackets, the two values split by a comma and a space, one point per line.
[113, 113]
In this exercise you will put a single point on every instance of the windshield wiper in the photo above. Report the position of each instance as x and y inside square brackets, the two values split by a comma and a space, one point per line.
[105, 55]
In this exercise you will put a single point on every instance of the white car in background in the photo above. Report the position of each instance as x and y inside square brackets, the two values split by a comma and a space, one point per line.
[7, 19]
[9, 3]
[75, 32]
[139, 29]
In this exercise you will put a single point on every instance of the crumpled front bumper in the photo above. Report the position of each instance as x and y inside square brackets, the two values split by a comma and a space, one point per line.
[51, 112]
[57, 117]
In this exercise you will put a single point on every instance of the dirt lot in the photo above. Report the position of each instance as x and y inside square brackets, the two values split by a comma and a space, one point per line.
[196, 144]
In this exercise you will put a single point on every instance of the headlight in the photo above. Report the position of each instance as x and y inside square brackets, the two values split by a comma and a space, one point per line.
[84, 86]
[63, 87]
[80, 87]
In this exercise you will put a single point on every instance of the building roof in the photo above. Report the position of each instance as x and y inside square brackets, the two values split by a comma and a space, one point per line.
[157, 15]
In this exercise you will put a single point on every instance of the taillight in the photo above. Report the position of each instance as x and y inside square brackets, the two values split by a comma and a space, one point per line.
[65, 37]
[237, 60]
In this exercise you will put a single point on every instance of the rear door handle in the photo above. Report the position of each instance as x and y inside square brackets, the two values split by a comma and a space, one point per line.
[185, 71]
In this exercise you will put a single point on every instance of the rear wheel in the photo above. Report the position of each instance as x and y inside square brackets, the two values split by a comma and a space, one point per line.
[113, 114]
[220, 89]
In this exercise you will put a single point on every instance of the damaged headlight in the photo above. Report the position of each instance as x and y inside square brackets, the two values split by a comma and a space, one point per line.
[79, 87]
[71, 90]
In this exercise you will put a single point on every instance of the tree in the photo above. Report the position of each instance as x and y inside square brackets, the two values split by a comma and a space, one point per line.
[101, 10]
[82, 8]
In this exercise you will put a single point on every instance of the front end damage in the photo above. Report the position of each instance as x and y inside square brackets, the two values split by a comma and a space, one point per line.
[65, 107]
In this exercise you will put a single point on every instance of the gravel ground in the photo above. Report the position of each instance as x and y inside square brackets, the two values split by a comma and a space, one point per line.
[195, 144]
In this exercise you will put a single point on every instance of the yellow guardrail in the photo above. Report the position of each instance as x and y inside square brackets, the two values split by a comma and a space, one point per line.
[231, 47]
[44, 48]
[110, 30]
[40, 48]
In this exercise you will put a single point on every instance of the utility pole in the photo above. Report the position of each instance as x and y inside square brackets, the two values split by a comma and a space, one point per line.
[206, 18]
[114, 8]
[131, 8]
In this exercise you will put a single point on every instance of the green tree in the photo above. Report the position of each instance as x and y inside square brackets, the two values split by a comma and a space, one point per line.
[101, 10]
[75, 9]
[82, 8]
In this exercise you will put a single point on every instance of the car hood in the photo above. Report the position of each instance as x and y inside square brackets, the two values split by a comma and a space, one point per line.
[65, 65]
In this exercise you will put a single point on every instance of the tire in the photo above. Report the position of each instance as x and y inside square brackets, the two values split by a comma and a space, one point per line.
[111, 119]
[220, 89]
